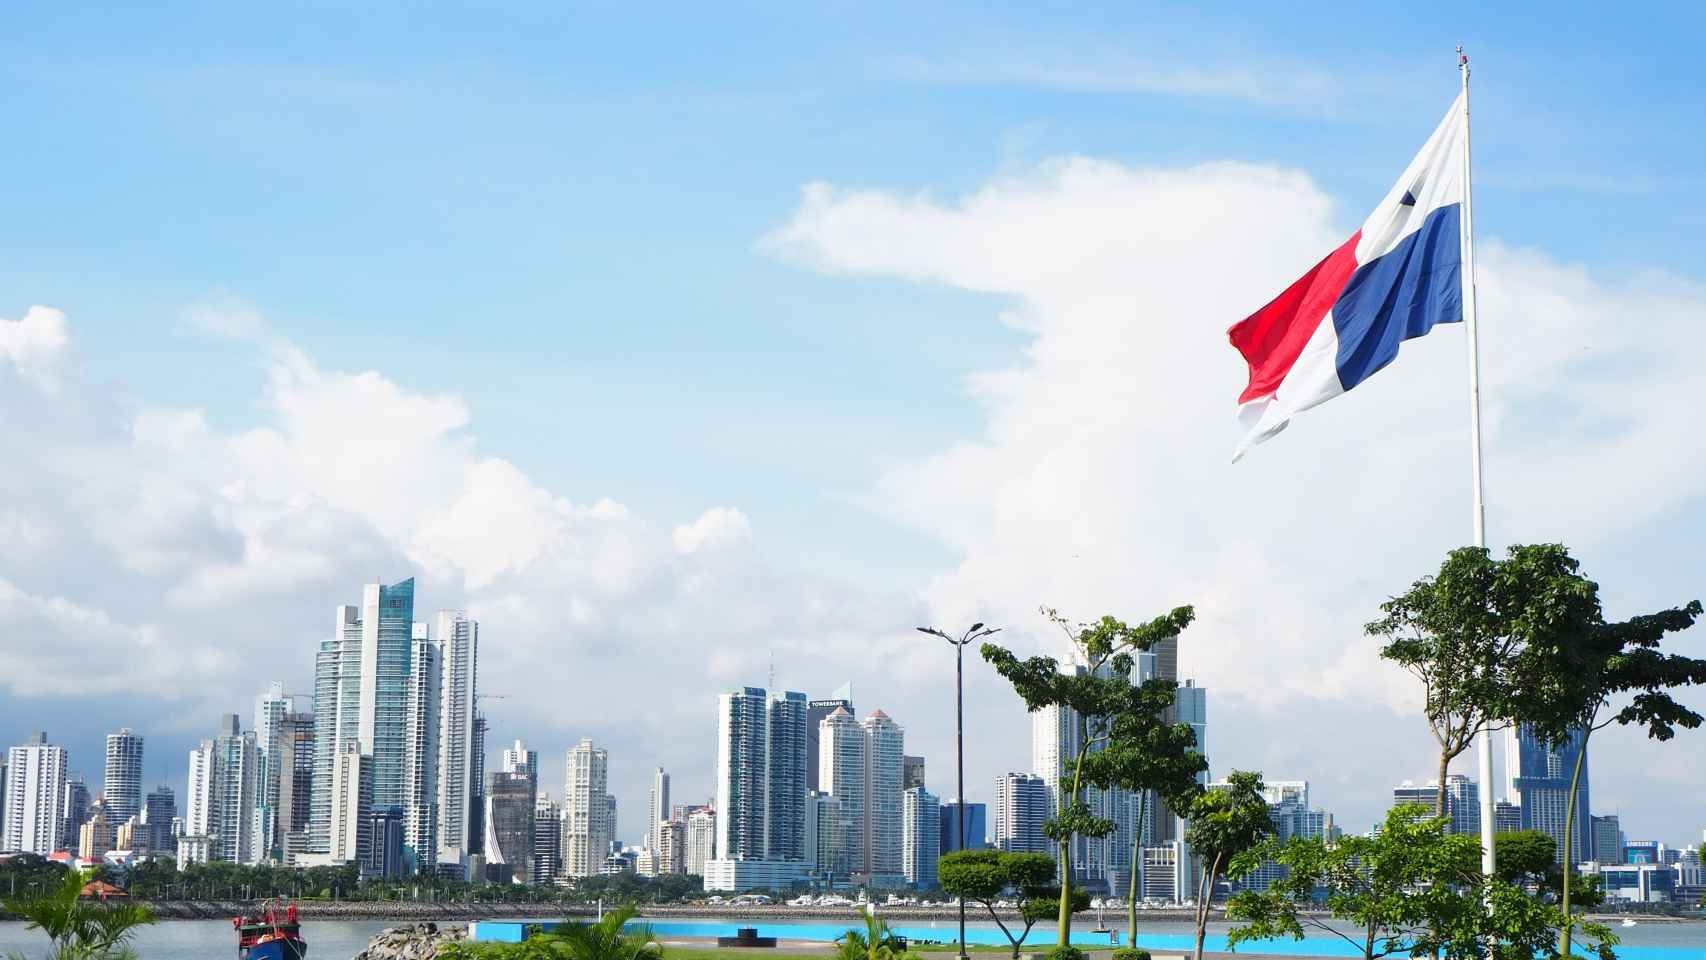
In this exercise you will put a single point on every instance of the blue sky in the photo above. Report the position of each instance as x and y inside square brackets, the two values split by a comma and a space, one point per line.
[558, 214]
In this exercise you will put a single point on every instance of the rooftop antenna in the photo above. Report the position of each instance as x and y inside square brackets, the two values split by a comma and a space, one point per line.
[772, 668]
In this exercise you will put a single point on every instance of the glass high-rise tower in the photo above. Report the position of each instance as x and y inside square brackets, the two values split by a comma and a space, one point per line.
[1537, 781]
[361, 696]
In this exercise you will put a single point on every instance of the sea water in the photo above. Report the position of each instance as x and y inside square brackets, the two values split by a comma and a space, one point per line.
[343, 939]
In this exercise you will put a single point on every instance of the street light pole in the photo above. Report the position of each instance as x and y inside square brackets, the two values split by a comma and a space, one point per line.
[977, 632]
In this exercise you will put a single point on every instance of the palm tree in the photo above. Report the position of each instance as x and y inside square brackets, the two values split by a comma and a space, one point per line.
[81, 930]
[876, 942]
[606, 939]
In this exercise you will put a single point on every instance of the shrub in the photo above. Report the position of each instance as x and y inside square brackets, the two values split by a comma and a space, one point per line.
[1067, 951]
[1131, 953]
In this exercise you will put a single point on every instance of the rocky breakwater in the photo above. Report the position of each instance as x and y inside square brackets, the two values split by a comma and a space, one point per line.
[414, 941]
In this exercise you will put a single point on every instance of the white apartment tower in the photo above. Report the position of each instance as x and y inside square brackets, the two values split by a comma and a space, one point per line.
[657, 808]
[198, 792]
[236, 763]
[122, 785]
[885, 744]
[586, 810]
[421, 752]
[1022, 803]
[841, 774]
[701, 839]
[350, 803]
[35, 782]
[459, 648]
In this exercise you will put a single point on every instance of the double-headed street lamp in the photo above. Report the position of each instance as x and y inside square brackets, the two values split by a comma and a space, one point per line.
[977, 632]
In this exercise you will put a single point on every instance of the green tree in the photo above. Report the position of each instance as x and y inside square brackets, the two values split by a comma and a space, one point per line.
[1529, 859]
[1413, 889]
[1094, 695]
[1574, 664]
[1456, 632]
[80, 929]
[1147, 754]
[982, 876]
[1225, 822]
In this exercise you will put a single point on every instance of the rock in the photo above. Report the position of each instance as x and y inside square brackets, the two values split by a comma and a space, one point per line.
[417, 941]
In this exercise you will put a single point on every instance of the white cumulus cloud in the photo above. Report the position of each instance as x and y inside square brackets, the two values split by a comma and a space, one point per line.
[1101, 481]
[34, 343]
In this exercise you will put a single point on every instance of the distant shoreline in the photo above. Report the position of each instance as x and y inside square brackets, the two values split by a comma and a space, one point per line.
[408, 911]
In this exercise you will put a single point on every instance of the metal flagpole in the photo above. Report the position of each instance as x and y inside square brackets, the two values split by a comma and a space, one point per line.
[1467, 236]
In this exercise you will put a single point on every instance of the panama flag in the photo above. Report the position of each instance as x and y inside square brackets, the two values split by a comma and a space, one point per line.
[1345, 319]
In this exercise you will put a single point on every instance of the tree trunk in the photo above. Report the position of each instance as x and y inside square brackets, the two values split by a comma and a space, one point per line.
[1205, 897]
[1439, 795]
[1063, 922]
[1064, 926]
[1569, 834]
[1136, 873]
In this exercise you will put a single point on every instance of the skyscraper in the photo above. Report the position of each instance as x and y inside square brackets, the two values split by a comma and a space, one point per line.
[272, 781]
[35, 786]
[785, 781]
[911, 772]
[509, 824]
[816, 710]
[361, 693]
[459, 649]
[236, 762]
[73, 812]
[1462, 801]
[519, 759]
[826, 841]
[920, 837]
[701, 839]
[1537, 777]
[199, 815]
[384, 857]
[349, 799]
[977, 826]
[657, 806]
[1022, 803]
[158, 812]
[841, 774]
[671, 847]
[742, 745]
[122, 785]
[294, 796]
[1057, 735]
[885, 743]
[761, 773]
[547, 840]
[477, 800]
[761, 790]
[421, 752]
[586, 810]
[1607, 840]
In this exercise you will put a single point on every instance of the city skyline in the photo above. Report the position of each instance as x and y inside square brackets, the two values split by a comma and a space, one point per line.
[1519, 748]
[696, 358]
